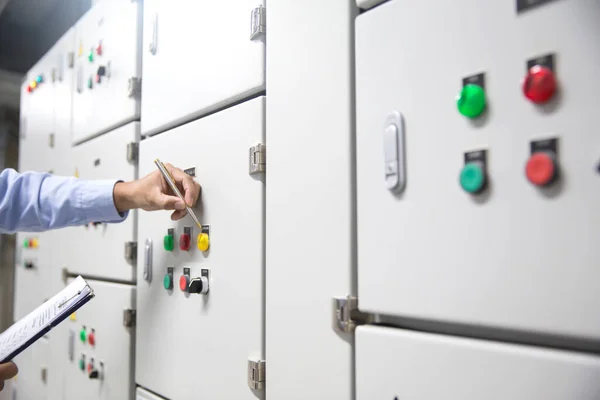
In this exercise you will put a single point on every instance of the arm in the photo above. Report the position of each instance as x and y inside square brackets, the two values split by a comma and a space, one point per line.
[36, 202]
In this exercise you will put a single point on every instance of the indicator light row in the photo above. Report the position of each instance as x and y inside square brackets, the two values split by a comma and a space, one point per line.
[538, 86]
[185, 240]
[199, 285]
[31, 243]
[35, 83]
[92, 371]
[541, 168]
[86, 337]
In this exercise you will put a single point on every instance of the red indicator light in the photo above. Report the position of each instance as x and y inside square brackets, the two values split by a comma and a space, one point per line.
[540, 169]
[185, 242]
[539, 85]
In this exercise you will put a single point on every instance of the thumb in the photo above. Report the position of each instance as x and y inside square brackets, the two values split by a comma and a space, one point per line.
[167, 202]
[8, 370]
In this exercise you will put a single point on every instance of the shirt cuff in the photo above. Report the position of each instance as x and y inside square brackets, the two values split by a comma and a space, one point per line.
[97, 202]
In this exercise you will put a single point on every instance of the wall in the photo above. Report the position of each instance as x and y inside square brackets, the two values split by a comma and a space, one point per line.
[9, 157]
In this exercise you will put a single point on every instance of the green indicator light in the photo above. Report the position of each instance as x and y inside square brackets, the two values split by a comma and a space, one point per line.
[91, 56]
[168, 282]
[82, 335]
[168, 242]
[472, 177]
[26, 243]
[81, 364]
[39, 79]
[471, 100]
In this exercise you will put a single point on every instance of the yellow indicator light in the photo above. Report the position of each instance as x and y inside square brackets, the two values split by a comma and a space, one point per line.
[73, 317]
[33, 84]
[203, 242]
[80, 51]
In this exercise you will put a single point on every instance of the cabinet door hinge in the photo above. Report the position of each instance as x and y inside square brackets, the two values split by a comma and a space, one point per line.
[256, 374]
[51, 140]
[134, 87]
[71, 59]
[258, 22]
[129, 318]
[131, 251]
[258, 159]
[346, 316]
[133, 149]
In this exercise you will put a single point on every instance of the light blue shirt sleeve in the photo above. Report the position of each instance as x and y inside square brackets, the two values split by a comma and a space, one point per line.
[35, 202]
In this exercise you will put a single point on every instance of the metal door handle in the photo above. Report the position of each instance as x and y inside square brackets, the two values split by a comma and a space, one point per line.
[148, 261]
[153, 42]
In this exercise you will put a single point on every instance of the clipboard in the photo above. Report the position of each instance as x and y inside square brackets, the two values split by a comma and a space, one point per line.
[40, 321]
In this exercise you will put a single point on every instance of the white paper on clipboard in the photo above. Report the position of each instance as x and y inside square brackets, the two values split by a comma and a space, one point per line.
[36, 324]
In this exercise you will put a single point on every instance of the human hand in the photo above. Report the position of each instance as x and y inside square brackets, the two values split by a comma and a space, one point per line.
[7, 371]
[152, 193]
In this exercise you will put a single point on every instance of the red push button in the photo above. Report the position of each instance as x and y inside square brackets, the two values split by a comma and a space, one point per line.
[540, 169]
[90, 366]
[92, 339]
[185, 242]
[184, 281]
[539, 85]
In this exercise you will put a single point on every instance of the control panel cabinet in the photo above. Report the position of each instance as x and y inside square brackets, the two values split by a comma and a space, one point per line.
[478, 164]
[37, 118]
[99, 249]
[398, 364]
[200, 291]
[46, 108]
[31, 273]
[32, 379]
[200, 56]
[97, 345]
[108, 68]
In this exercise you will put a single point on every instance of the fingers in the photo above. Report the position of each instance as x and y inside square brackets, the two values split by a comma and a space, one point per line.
[178, 214]
[8, 371]
[167, 202]
[191, 188]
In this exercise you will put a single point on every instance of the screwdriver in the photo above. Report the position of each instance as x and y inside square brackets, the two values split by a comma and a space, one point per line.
[175, 189]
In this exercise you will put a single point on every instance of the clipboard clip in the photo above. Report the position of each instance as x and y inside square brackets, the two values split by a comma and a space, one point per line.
[68, 300]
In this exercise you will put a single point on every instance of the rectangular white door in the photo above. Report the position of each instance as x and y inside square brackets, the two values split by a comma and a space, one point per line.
[98, 249]
[482, 210]
[205, 338]
[108, 58]
[31, 381]
[199, 56]
[97, 351]
[396, 364]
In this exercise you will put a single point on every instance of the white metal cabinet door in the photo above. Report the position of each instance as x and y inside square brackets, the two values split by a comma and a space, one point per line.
[63, 57]
[99, 249]
[32, 270]
[198, 57]
[31, 382]
[99, 106]
[515, 257]
[96, 336]
[398, 364]
[142, 394]
[206, 338]
[35, 151]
